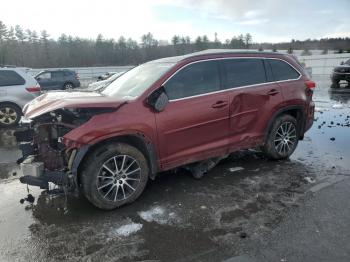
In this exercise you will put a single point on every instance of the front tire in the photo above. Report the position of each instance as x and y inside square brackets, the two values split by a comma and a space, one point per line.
[114, 175]
[282, 139]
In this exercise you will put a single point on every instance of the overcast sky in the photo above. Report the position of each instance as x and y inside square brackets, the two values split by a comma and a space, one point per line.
[266, 20]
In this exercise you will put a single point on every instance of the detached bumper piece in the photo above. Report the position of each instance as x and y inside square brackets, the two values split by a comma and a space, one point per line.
[35, 174]
[56, 177]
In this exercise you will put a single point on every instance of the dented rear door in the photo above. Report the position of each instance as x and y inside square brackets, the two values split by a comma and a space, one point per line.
[253, 99]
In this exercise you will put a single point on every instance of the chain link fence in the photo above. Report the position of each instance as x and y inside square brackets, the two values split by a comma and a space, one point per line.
[322, 65]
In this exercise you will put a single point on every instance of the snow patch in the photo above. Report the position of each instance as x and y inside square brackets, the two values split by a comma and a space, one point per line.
[309, 179]
[128, 229]
[235, 169]
[337, 106]
[159, 215]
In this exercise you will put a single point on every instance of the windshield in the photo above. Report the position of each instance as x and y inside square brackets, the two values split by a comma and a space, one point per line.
[134, 82]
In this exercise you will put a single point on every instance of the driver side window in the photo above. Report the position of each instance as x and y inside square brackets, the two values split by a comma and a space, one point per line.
[195, 79]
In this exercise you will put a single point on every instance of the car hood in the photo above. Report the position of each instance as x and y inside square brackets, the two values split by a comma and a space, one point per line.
[51, 101]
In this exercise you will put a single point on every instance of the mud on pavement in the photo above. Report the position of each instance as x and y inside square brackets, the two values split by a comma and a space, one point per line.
[178, 218]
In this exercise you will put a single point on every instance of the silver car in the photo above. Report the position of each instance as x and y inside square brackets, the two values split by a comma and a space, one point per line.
[17, 87]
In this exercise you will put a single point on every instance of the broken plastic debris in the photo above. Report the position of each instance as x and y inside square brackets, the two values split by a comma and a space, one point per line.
[235, 169]
[29, 198]
[128, 229]
[243, 235]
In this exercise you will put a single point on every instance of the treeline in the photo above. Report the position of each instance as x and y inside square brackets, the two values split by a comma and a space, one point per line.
[32, 49]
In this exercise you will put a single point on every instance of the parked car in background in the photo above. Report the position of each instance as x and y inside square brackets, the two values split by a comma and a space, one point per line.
[17, 88]
[105, 76]
[174, 112]
[341, 72]
[101, 84]
[61, 79]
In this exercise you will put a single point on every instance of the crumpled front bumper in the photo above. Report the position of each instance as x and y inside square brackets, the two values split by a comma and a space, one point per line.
[34, 172]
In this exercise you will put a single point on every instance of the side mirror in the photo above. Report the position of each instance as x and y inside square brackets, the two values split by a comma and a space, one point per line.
[342, 62]
[158, 99]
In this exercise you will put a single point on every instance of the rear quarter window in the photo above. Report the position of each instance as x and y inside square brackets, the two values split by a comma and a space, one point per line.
[282, 71]
[57, 75]
[10, 78]
[69, 73]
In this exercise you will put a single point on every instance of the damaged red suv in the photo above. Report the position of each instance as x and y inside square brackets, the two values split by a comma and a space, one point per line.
[187, 111]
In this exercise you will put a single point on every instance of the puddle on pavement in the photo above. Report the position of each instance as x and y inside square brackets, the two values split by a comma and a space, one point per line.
[170, 211]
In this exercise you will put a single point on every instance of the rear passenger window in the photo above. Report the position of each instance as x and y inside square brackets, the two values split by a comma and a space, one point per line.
[195, 79]
[282, 70]
[10, 78]
[243, 72]
[56, 75]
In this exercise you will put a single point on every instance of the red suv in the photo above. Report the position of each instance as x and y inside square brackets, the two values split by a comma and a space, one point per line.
[173, 112]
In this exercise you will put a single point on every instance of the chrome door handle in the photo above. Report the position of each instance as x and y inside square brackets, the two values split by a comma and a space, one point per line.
[219, 104]
[273, 92]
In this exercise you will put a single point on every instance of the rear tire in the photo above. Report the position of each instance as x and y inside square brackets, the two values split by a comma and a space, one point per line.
[10, 114]
[68, 86]
[282, 139]
[114, 175]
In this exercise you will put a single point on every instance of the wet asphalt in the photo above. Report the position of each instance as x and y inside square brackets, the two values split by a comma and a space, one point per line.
[246, 209]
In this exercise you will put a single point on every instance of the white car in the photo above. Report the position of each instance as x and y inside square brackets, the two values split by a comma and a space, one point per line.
[100, 84]
[17, 88]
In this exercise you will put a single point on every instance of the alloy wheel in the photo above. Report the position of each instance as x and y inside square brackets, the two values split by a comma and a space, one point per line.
[8, 115]
[118, 178]
[285, 139]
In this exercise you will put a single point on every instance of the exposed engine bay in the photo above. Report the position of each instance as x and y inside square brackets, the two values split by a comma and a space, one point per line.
[45, 157]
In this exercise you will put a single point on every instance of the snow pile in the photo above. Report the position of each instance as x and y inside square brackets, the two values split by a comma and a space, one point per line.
[235, 169]
[159, 215]
[128, 229]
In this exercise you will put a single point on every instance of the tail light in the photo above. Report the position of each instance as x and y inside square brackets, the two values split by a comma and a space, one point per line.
[33, 89]
[310, 84]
